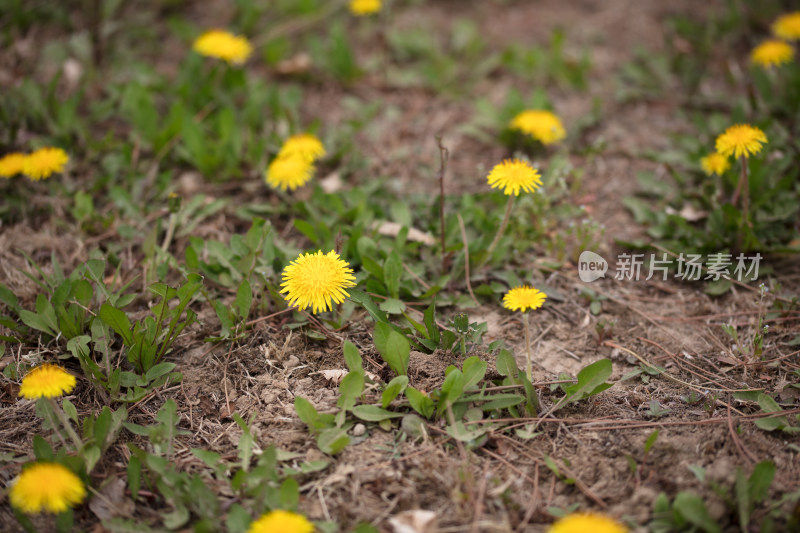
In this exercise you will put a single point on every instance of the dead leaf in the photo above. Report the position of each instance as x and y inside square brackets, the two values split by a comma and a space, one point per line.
[688, 212]
[110, 501]
[331, 183]
[297, 64]
[391, 229]
[728, 360]
[336, 375]
[414, 521]
[73, 72]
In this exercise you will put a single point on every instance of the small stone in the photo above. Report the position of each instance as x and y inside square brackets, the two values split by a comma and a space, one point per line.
[359, 429]
[292, 362]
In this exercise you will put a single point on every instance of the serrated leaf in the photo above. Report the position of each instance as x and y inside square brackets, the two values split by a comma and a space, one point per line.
[373, 413]
[769, 405]
[474, 369]
[760, 481]
[429, 319]
[70, 410]
[421, 403]
[460, 432]
[350, 388]
[244, 299]
[392, 272]
[393, 389]
[718, 287]
[691, 507]
[393, 347]
[352, 357]
[502, 401]
[369, 306]
[118, 321]
[591, 380]
[161, 369]
[506, 364]
[393, 306]
[333, 440]
[37, 322]
[452, 388]
[306, 412]
[651, 440]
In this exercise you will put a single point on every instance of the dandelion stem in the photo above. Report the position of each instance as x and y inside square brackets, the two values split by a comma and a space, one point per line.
[466, 257]
[528, 362]
[502, 227]
[745, 192]
[173, 219]
[65, 423]
[47, 408]
[444, 155]
[743, 189]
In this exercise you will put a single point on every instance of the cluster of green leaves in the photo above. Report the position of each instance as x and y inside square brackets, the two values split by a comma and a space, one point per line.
[467, 406]
[694, 213]
[63, 309]
[550, 63]
[688, 512]
[147, 341]
[696, 216]
[217, 495]
[80, 454]
[768, 405]
[81, 311]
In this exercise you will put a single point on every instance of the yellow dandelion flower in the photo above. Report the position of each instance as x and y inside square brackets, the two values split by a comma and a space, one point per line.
[542, 125]
[772, 53]
[11, 164]
[523, 298]
[740, 140]
[223, 45]
[281, 522]
[317, 281]
[46, 381]
[513, 175]
[44, 162]
[289, 172]
[361, 8]
[49, 487]
[583, 522]
[304, 145]
[787, 26]
[715, 163]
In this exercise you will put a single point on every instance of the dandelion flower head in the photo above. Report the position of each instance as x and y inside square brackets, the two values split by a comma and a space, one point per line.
[223, 45]
[49, 487]
[46, 381]
[11, 164]
[317, 280]
[281, 522]
[289, 172]
[362, 8]
[512, 175]
[587, 522]
[772, 53]
[44, 162]
[787, 26]
[740, 140]
[715, 163]
[544, 126]
[303, 145]
[523, 298]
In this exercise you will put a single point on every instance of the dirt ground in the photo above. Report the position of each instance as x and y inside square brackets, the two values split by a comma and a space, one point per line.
[505, 485]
